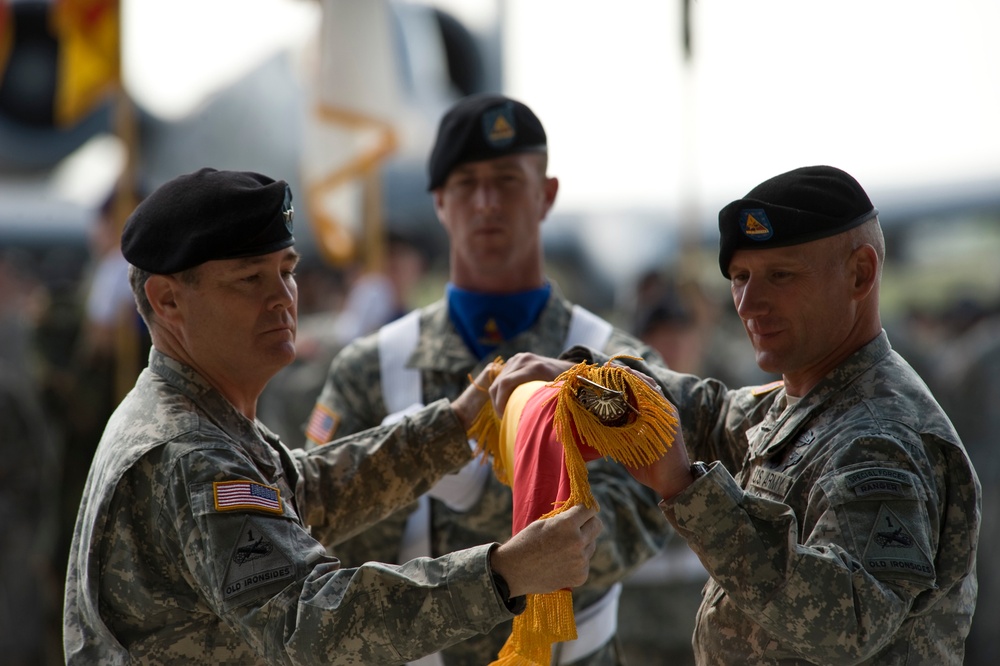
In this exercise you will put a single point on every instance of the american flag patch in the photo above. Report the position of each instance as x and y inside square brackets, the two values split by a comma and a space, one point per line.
[230, 495]
[322, 423]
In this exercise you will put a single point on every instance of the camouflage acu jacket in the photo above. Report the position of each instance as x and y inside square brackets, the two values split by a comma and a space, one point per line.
[841, 530]
[634, 528]
[191, 544]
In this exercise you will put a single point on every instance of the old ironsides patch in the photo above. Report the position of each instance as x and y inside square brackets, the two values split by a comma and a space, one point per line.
[893, 549]
[254, 562]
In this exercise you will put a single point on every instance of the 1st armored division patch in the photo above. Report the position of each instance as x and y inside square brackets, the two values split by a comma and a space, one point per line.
[254, 562]
[892, 548]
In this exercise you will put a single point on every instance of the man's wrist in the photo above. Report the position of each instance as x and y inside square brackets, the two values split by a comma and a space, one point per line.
[695, 471]
[515, 605]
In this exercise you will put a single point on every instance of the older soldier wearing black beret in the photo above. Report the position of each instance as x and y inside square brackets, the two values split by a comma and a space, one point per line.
[837, 513]
[488, 178]
[192, 543]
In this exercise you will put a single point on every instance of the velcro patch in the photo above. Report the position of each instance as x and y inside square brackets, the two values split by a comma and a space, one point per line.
[322, 424]
[240, 495]
[879, 481]
[771, 481]
[254, 562]
[892, 549]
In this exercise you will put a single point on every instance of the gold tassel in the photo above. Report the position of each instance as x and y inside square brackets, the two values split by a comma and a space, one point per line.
[547, 619]
[638, 437]
[485, 428]
[643, 435]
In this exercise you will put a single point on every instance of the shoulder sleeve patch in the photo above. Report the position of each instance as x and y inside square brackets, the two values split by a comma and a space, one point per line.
[254, 562]
[879, 481]
[242, 495]
[892, 548]
[322, 424]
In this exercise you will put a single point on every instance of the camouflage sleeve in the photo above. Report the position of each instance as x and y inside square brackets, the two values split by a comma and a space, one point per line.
[367, 476]
[712, 417]
[841, 589]
[351, 398]
[272, 583]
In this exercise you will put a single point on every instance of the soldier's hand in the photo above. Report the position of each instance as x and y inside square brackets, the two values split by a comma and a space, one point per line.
[521, 368]
[550, 554]
[671, 473]
[475, 395]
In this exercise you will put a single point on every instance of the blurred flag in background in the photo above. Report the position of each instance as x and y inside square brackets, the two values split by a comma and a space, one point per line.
[59, 60]
[6, 35]
[89, 66]
[353, 128]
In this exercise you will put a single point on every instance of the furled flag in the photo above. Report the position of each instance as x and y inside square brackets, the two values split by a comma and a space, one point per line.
[88, 33]
[540, 447]
[353, 126]
[6, 35]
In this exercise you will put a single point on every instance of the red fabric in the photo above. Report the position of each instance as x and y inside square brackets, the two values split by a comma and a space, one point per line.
[540, 477]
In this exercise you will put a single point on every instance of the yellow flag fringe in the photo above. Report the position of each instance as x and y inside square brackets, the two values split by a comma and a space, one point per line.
[547, 619]
[638, 437]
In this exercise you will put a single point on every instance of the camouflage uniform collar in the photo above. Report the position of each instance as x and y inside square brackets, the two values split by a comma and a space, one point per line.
[196, 388]
[778, 427]
[180, 375]
[855, 364]
[441, 348]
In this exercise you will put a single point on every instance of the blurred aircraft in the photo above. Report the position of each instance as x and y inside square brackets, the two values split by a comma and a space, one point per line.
[52, 178]
[259, 122]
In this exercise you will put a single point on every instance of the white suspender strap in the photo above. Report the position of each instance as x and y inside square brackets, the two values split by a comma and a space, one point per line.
[586, 328]
[595, 626]
[396, 341]
[402, 393]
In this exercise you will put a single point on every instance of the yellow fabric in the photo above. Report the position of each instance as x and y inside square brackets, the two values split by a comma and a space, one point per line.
[88, 32]
[6, 35]
[641, 440]
[547, 618]
[508, 424]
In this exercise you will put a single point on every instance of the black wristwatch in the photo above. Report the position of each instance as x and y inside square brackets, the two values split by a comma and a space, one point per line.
[515, 605]
[698, 469]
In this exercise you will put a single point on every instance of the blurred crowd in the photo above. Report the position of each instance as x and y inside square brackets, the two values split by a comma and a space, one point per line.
[71, 344]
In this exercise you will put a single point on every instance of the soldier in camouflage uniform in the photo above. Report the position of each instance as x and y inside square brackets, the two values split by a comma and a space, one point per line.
[192, 543]
[968, 377]
[487, 174]
[839, 519]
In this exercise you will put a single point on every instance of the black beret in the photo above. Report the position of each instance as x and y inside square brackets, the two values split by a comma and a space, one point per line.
[208, 215]
[481, 127]
[796, 207]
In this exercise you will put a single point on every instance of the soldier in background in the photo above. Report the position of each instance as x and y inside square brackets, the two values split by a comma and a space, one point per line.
[29, 492]
[968, 376]
[491, 190]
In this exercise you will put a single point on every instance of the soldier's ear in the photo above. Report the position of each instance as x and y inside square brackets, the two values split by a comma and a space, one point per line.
[864, 265]
[551, 189]
[162, 292]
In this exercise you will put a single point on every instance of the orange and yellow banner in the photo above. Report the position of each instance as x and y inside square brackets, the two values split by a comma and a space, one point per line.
[6, 35]
[89, 37]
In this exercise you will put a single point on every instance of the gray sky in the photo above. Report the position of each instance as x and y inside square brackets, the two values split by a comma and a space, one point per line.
[893, 91]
